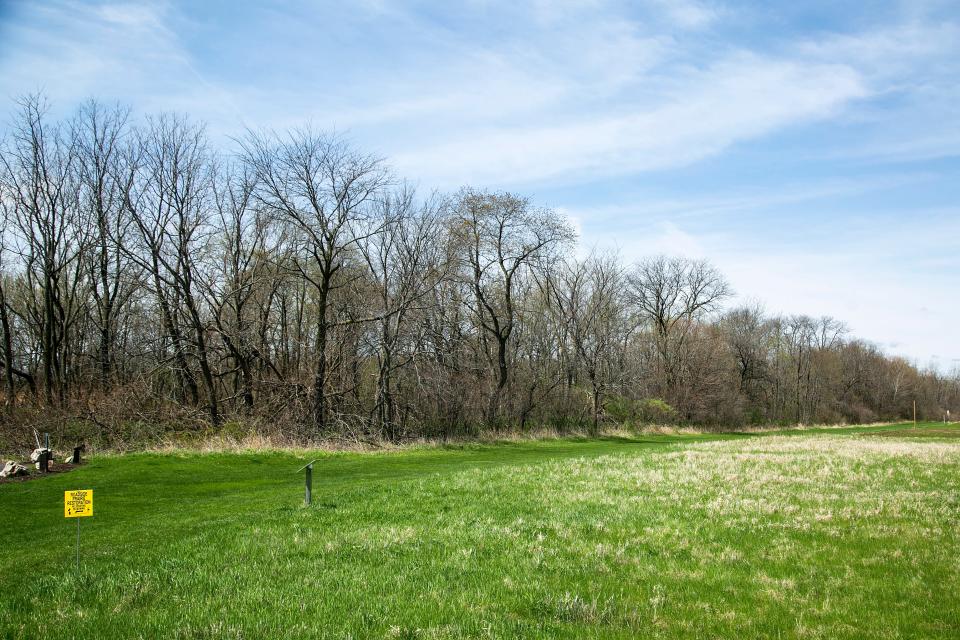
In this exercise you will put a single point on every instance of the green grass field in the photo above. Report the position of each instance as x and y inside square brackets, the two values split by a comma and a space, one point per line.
[849, 533]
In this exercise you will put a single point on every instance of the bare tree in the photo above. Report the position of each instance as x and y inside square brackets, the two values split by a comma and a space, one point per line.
[501, 237]
[323, 190]
[671, 295]
[241, 240]
[105, 175]
[750, 337]
[407, 260]
[171, 213]
[41, 191]
[9, 356]
[588, 296]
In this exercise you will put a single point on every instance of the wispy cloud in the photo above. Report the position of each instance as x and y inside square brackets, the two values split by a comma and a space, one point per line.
[689, 14]
[702, 113]
[127, 51]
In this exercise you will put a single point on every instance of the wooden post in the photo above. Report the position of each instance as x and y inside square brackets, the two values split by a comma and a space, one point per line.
[914, 412]
[308, 495]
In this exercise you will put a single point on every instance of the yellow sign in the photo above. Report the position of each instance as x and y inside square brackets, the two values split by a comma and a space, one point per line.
[78, 504]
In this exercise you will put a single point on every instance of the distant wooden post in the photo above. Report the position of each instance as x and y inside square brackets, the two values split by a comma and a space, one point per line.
[914, 412]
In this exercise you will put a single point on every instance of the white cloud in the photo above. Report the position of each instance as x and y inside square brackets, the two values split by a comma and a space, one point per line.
[891, 52]
[706, 111]
[113, 51]
[688, 14]
[738, 202]
[134, 16]
[912, 69]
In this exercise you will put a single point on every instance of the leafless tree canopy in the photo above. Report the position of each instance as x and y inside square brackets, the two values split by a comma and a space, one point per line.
[149, 282]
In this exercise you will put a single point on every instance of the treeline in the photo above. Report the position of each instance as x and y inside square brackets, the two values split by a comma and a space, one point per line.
[295, 284]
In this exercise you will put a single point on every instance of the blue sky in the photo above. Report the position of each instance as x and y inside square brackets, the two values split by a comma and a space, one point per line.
[811, 150]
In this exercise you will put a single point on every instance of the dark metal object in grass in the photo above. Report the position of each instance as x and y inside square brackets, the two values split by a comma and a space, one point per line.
[44, 462]
[308, 494]
[308, 478]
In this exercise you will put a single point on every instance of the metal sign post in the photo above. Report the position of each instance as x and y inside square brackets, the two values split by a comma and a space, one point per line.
[308, 490]
[308, 482]
[78, 504]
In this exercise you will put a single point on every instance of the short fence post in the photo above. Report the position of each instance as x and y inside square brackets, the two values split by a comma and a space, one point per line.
[308, 482]
[308, 495]
[44, 461]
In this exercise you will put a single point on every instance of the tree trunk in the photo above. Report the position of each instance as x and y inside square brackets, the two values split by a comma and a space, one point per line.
[595, 396]
[320, 373]
[495, 410]
[48, 358]
[106, 335]
[385, 405]
[7, 350]
[207, 374]
[184, 376]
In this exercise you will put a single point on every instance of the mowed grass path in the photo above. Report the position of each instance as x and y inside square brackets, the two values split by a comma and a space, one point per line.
[818, 534]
